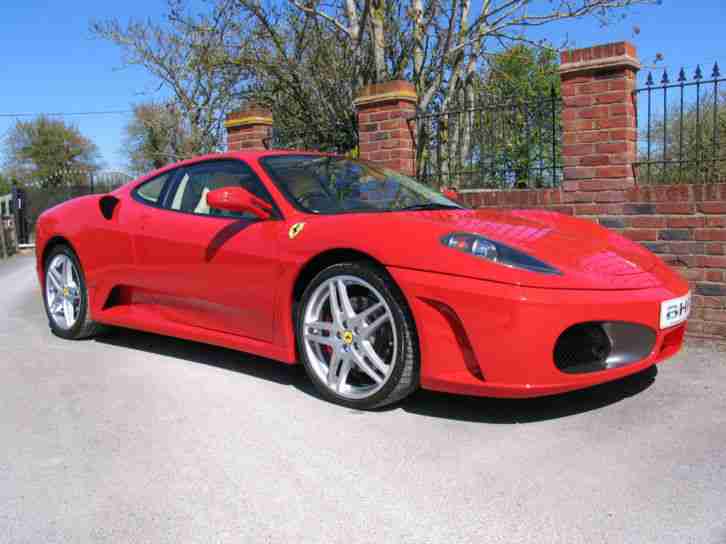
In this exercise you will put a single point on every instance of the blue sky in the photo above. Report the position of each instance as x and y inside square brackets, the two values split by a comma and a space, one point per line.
[50, 63]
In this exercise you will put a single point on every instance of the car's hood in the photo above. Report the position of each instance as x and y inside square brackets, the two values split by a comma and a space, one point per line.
[558, 239]
[588, 255]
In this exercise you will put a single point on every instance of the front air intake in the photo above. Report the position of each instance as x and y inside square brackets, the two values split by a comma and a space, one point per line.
[593, 346]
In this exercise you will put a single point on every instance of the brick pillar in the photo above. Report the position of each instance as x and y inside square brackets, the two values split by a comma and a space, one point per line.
[599, 122]
[247, 128]
[383, 127]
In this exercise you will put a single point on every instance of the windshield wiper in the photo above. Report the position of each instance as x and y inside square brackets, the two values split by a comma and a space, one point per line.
[431, 206]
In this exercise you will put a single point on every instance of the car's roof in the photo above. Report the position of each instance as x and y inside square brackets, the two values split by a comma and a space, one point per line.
[244, 155]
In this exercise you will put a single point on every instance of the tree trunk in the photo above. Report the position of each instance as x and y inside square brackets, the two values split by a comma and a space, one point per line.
[379, 39]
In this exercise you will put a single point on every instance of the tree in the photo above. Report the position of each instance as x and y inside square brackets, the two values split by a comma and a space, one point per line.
[275, 56]
[304, 71]
[189, 56]
[49, 152]
[5, 185]
[157, 135]
[307, 59]
[441, 46]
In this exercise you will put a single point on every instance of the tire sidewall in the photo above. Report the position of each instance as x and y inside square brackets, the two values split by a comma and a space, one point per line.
[376, 279]
[74, 331]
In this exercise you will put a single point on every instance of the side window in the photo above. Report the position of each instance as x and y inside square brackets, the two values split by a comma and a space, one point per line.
[151, 190]
[190, 194]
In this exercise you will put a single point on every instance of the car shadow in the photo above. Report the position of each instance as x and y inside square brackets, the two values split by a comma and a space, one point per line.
[425, 403]
[507, 411]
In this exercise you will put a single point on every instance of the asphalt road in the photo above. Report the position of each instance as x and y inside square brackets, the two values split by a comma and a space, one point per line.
[139, 438]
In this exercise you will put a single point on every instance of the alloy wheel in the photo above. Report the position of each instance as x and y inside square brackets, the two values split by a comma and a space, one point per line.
[349, 336]
[62, 291]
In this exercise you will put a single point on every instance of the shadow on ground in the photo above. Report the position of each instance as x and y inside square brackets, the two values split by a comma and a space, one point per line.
[427, 403]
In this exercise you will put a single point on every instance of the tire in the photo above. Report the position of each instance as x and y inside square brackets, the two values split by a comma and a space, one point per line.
[369, 357]
[76, 295]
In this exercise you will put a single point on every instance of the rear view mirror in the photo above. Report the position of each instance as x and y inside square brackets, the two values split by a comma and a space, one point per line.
[237, 199]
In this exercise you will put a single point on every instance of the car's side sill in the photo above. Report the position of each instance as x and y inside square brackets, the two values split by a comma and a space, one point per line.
[146, 319]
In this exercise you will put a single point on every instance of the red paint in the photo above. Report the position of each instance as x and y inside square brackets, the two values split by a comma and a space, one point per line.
[237, 199]
[229, 282]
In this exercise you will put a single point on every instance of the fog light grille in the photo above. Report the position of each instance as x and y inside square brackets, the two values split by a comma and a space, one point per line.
[582, 348]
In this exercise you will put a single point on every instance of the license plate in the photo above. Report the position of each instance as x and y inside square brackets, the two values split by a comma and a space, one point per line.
[674, 311]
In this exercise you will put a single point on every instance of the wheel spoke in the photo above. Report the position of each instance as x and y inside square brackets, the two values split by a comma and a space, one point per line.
[334, 305]
[69, 312]
[363, 365]
[373, 327]
[320, 326]
[320, 339]
[67, 272]
[338, 369]
[56, 306]
[345, 305]
[344, 370]
[55, 279]
[370, 352]
[365, 314]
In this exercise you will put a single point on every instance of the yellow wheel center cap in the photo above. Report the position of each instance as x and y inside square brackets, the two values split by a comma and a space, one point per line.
[66, 291]
[348, 337]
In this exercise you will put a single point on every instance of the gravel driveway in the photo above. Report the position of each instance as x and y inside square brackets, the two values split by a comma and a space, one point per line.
[140, 438]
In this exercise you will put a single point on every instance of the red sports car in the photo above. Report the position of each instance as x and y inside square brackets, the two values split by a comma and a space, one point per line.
[377, 284]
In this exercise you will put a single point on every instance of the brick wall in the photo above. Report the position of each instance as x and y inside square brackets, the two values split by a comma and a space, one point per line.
[384, 133]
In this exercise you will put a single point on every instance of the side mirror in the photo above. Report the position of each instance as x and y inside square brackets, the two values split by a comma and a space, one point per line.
[237, 199]
[451, 193]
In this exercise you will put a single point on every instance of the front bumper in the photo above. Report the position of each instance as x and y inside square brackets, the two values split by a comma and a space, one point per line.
[491, 339]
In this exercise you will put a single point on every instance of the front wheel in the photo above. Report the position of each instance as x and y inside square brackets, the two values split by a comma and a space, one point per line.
[66, 297]
[357, 338]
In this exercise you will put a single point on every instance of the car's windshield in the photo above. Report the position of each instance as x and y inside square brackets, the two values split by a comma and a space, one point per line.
[331, 185]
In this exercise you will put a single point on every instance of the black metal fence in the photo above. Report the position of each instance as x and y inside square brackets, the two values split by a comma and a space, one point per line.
[682, 128]
[486, 145]
[39, 195]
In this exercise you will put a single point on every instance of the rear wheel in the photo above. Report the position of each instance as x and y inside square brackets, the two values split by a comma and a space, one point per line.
[356, 337]
[66, 297]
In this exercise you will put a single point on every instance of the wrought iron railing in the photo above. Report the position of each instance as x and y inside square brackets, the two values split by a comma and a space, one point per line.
[682, 128]
[487, 145]
[41, 193]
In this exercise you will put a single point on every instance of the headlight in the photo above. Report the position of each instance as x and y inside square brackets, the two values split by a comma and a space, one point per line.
[495, 251]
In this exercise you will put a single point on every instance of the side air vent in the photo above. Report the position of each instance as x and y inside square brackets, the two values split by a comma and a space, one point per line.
[108, 204]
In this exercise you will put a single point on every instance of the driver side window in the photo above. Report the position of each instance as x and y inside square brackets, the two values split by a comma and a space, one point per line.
[190, 193]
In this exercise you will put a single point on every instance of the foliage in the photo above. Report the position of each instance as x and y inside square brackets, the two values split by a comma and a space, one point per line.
[157, 135]
[521, 74]
[48, 151]
[5, 185]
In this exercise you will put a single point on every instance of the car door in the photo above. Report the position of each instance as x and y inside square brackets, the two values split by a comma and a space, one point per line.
[208, 268]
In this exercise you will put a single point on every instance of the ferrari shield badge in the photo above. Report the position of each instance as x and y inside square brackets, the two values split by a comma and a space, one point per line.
[295, 230]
